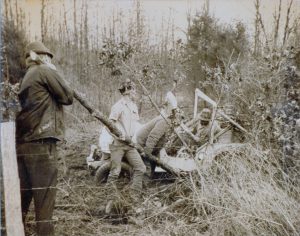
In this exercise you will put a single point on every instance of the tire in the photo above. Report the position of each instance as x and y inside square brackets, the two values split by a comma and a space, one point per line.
[103, 171]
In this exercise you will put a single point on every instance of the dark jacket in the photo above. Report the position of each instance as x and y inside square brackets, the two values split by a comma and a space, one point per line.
[152, 134]
[42, 94]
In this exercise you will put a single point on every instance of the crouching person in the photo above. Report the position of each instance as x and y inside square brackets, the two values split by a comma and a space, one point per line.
[42, 95]
[100, 155]
[125, 115]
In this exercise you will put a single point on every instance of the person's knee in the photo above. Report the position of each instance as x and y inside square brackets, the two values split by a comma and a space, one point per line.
[140, 167]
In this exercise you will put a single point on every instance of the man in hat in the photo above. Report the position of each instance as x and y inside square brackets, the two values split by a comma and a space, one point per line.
[40, 125]
[125, 115]
[206, 127]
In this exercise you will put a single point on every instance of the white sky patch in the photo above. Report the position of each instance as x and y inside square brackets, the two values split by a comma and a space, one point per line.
[158, 14]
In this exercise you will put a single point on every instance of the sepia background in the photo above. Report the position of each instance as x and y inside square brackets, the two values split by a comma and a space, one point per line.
[244, 54]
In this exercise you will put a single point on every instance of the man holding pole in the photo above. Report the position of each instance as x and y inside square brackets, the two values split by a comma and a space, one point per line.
[40, 125]
[125, 115]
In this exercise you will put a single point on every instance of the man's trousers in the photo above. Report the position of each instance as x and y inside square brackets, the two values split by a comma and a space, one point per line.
[118, 151]
[37, 164]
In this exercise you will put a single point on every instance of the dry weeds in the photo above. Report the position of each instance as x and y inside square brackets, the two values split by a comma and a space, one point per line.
[240, 192]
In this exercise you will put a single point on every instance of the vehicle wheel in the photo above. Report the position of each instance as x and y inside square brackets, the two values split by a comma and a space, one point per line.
[103, 171]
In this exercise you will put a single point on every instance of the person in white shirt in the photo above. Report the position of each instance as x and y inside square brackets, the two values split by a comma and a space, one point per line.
[125, 115]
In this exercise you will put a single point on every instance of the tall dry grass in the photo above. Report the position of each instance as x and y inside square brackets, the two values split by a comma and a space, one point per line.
[243, 191]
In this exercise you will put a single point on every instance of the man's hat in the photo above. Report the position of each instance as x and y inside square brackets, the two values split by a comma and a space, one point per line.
[205, 114]
[126, 85]
[37, 47]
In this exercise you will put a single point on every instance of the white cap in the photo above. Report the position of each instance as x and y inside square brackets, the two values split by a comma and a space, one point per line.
[171, 100]
[171, 104]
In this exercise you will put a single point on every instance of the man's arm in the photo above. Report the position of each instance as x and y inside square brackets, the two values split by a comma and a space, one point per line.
[57, 87]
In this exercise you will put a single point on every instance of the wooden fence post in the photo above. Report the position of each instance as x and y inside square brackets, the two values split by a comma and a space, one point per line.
[11, 181]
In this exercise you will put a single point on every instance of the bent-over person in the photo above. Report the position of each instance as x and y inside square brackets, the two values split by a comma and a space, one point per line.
[152, 136]
[40, 125]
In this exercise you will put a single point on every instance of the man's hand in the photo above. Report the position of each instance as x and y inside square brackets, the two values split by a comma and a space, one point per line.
[126, 138]
[143, 154]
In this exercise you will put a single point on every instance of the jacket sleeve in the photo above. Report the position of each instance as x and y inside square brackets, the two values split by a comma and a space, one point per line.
[58, 87]
[155, 135]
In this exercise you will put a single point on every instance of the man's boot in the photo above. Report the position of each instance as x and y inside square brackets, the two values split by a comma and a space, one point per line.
[111, 183]
[136, 187]
[111, 193]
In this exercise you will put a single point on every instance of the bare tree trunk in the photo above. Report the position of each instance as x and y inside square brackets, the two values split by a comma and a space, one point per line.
[17, 14]
[287, 30]
[53, 24]
[22, 20]
[86, 40]
[97, 29]
[189, 20]
[257, 29]
[277, 22]
[265, 33]
[75, 24]
[65, 23]
[81, 28]
[10, 10]
[81, 42]
[138, 23]
[6, 9]
[207, 7]
[173, 34]
[43, 27]
[296, 32]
